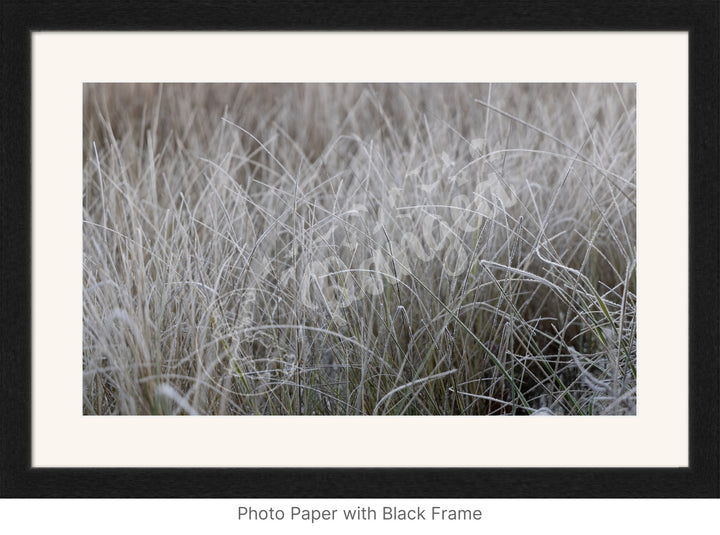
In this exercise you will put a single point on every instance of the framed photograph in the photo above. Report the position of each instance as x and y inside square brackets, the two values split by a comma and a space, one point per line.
[396, 253]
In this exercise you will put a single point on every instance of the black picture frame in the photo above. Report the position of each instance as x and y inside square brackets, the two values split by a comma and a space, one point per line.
[701, 19]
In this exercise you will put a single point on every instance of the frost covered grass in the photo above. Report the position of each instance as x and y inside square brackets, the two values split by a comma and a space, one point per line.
[422, 249]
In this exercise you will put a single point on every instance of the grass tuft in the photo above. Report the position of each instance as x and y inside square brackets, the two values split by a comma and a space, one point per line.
[359, 249]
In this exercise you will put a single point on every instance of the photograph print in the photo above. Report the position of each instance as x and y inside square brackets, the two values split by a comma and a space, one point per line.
[359, 249]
